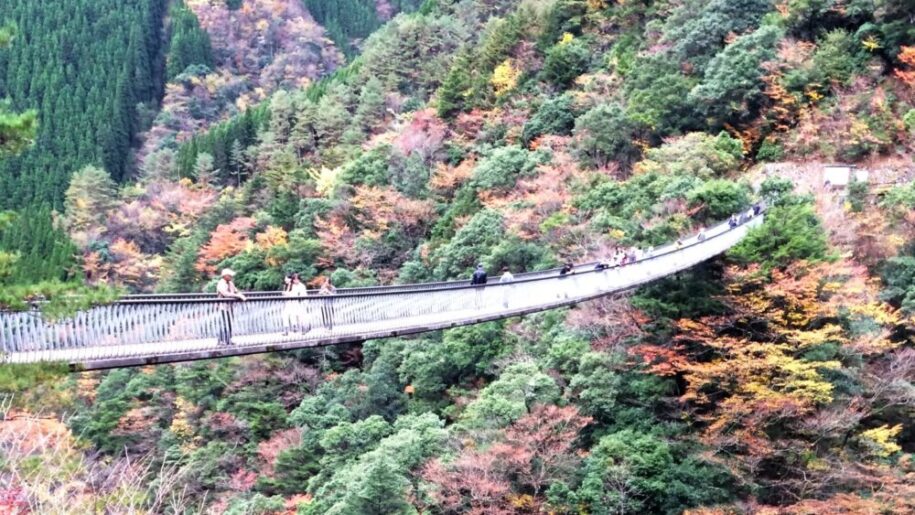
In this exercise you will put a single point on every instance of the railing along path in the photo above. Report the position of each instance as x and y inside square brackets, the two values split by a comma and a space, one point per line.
[142, 330]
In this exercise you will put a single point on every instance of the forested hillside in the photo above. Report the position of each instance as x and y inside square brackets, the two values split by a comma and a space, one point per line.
[348, 22]
[85, 66]
[517, 134]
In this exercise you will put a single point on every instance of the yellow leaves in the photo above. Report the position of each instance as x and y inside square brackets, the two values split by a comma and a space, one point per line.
[599, 5]
[879, 312]
[814, 95]
[811, 338]
[326, 179]
[871, 44]
[505, 78]
[271, 237]
[181, 425]
[522, 501]
[881, 441]
[617, 234]
[567, 38]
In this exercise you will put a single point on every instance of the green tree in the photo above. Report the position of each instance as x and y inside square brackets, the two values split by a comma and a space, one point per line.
[17, 130]
[471, 243]
[732, 87]
[189, 43]
[789, 233]
[504, 166]
[628, 472]
[555, 116]
[605, 134]
[565, 61]
[511, 396]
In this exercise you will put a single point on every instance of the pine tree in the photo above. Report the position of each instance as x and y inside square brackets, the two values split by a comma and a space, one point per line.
[237, 162]
[204, 169]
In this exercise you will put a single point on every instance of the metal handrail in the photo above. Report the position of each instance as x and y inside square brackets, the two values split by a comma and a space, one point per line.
[438, 285]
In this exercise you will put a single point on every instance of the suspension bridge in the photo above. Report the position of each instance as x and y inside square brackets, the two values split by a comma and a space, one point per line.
[141, 330]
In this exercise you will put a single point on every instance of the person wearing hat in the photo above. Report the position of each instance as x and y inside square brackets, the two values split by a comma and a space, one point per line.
[225, 289]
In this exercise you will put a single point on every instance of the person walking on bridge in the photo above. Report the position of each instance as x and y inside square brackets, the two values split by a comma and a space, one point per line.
[225, 289]
[478, 279]
[327, 306]
[292, 310]
[506, 277]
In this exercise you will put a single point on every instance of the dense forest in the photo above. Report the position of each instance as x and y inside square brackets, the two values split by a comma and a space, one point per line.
[778, 378]
[348, 22]
[85, 66]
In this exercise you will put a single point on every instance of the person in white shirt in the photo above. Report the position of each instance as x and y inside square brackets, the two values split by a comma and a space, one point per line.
[293, 311]
[225, 289]
[506, 277]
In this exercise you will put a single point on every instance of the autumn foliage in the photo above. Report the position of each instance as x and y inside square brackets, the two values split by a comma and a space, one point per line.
[907, 73]
[227, 240]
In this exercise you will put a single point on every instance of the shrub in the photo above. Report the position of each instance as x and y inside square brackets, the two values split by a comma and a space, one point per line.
[555, 116]
[899, 279]
[503, 166]
[909, 120]
[770, 151]
[720, 198]
[790, 232]
[565, 61]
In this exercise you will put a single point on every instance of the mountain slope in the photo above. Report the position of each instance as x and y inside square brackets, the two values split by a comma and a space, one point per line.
[777, 379]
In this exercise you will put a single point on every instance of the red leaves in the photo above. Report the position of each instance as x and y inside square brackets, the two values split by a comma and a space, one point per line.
[424, 135]
[537, 450]
[268, 450]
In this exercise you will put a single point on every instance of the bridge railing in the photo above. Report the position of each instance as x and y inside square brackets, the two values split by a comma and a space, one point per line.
[148, 328]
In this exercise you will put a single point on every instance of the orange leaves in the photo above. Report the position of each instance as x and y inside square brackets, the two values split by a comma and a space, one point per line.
[447, 178]
[337, 239]
[378, 208]
[907, 57]
[226, 241]
[661, 361]
[269, 450]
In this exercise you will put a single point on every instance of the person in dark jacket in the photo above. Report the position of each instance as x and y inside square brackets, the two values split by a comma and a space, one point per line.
[566, 269]
[479, 276]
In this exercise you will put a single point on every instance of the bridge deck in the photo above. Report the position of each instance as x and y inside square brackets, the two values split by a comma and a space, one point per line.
[140, 331]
